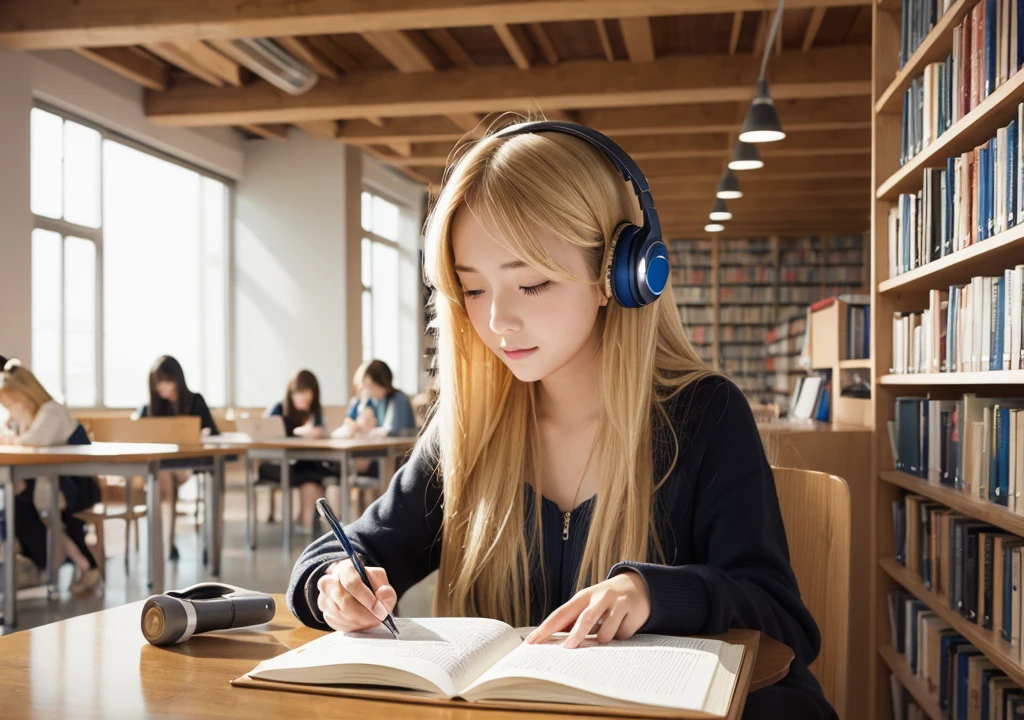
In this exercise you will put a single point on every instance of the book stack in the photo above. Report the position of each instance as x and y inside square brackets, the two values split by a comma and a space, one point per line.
[977, 195]
[975, 327]
[690, 260]
[974, 445]
[919, 17]
[987, 50]
[786, 343]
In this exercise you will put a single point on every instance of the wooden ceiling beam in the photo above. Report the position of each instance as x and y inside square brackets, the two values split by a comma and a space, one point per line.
[132, 63]
[753, 185]
[224, 68]
[270, 132]
[541, 39]
[734, 34]
[636, 33]
[451, 47]
[606, 43]
[817, 15]
[399, 50]
[825, 73]
[307, 54]
[171, 53]
[514, 40]
[320, 129]
[64, 24]
[334, 52]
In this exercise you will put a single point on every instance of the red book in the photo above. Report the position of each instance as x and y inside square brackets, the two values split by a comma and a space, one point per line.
[978, 20]
[822, 304]
[965, 66]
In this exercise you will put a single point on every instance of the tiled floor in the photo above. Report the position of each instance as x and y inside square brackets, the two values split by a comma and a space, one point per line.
[267, 569]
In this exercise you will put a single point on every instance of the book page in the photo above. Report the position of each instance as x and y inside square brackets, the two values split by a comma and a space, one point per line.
[448, 652]
[658, 670]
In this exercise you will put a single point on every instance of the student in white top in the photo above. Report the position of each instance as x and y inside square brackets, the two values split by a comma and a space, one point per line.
[42, 421]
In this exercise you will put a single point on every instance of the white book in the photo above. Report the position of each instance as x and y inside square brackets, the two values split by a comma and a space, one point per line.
[1007, 319]
[1013, 37]
[1014, 488]
[1003, 42]
[1018, 451]
[985, 337]
[1018, 315]
[983, 451]
[1020, 157]
[479, 659]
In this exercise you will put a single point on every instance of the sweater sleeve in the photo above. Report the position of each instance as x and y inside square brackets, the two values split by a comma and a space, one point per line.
[400, 532]
[200, 408]
[52, 425]
[744, 578]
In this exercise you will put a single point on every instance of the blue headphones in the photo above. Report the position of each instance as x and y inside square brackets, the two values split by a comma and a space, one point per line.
[638, 270]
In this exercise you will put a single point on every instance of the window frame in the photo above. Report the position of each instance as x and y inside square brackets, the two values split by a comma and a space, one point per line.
[95, 235]
[374, 238]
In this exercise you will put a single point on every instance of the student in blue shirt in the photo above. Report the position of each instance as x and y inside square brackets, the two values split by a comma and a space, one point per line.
[42, 422]
[303, 417]
[379, 409]
[169, 396]
[583, 469]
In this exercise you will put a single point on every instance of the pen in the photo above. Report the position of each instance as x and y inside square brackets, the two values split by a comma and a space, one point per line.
[328, 515]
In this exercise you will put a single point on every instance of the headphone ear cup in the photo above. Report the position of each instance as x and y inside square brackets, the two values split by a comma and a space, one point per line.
[621, 275]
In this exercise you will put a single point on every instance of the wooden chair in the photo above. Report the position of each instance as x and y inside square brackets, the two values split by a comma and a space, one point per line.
[119, 500]
[816, 513]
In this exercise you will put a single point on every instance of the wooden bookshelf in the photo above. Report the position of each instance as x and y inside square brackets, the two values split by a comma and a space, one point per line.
[995, 648]
[908, 292]
[955, 500]
[926, 698]
[862, 364]
[934, 47]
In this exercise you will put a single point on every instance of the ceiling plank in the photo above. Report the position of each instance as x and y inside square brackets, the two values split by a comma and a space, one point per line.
[827, 72]
[221, 66]
[761, 36]
[451, 47]
[320, 129]
[58, 24]
[134, 64]
[399, 50]
[334, 52]
[270, 132]
[307, 54]
[466, 121]
[636, 32]
[606, 43]
[734, 35]
[170, 52]
[514, 40]
[817, 15]
[540, 37]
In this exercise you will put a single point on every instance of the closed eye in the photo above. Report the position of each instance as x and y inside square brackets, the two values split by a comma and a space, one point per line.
[536, 289]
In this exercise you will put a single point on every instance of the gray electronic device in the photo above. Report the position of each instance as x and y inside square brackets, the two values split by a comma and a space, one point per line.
[177, 615]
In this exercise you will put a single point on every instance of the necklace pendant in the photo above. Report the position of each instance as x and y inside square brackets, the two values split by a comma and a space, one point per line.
[565, 526]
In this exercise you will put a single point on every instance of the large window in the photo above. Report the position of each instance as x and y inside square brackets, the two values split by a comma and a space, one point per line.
[380, 273]
[128, 263]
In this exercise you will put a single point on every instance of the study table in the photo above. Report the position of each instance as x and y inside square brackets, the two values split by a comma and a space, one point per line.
[100, 666]
[284, 450]
[123, 459]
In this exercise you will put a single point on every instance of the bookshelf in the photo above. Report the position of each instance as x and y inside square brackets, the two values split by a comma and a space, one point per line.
[908, 292]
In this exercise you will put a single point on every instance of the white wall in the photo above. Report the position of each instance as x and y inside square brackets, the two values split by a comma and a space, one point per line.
[15, 214]
[289, 269]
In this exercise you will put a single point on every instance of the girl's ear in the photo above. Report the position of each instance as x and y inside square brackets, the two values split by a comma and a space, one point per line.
[602, 298]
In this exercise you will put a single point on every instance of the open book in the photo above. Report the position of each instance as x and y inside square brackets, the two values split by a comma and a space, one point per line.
[478, 659]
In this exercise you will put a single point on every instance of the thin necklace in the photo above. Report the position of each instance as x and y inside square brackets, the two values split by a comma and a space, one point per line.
[567, 515]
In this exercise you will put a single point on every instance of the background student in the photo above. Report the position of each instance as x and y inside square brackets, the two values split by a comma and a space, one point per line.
[582, 463]
[378, 409]
[43, 422]
[169, 396]
[303, 417]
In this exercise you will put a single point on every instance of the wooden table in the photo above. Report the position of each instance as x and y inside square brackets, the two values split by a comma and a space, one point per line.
[284, 450]
[100, 666]
[126, 459]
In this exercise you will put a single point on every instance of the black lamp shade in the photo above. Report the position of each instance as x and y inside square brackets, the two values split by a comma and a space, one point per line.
[745, 157]
[728, 187]
[762, 122]
[719, 212]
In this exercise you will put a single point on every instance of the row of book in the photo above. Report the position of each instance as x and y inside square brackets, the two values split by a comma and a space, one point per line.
[967, 684]
[974, 327]
[808, 295]
[746, 294]
[974, 445]
[749, 366]
[691, 315]
[918, 18]
[843, 274]
[741, 333]
[700, 334]
[858, 332]
[692, 294]
[987, 50]
[977, 195]
[746, 314]
[682, 275]
[756, 274]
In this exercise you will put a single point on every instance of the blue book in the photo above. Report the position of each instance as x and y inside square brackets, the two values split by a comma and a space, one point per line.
[990, 175]
[947, 243]
[993, 461]
[990, 47]
[905, 33]
[998, 291]
[982, 193]
[1003, 451]
[1019, 60]
[963, 655]
[1011, 174]
[947, 645]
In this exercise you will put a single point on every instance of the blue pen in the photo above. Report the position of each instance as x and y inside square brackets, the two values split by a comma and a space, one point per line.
[328, 515]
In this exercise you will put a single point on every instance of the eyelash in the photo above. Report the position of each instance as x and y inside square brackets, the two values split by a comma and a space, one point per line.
[532, 290]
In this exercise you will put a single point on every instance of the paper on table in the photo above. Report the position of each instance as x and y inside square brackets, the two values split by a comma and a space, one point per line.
[650, 669]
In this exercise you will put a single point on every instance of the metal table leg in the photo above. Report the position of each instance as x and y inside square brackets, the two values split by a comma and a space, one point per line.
[55, 534]
[250, 505]
[10, 591]
[156, 539]
[215, 500]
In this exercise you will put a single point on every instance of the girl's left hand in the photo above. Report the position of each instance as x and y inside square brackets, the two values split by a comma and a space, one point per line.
[622, 604]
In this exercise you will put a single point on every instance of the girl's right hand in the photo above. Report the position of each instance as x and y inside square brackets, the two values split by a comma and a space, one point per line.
[347, 604]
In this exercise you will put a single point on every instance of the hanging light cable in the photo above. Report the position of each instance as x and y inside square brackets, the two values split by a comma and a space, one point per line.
[762, 121]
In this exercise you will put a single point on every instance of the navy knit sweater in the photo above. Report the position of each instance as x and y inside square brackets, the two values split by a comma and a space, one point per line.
[727, 560]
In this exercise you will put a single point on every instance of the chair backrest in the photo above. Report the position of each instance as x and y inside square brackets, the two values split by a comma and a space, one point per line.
[174, 430]
[816, 513]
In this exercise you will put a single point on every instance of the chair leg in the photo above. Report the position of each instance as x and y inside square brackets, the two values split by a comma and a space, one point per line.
[101, 549]
[128, 541]
[270, 515]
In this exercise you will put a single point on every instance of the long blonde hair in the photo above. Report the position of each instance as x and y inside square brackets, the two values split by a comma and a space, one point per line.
[484, 418]
[18, 382]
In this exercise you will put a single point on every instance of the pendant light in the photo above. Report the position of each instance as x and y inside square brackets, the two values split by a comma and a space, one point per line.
[745, 157]
[762, 121]
[719, 213]
[714, 228]
[728, 186]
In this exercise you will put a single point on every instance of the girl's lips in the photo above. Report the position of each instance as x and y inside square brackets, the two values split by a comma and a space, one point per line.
[520, 354]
